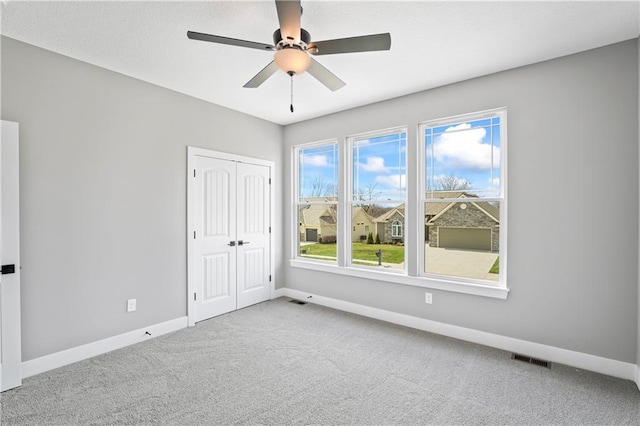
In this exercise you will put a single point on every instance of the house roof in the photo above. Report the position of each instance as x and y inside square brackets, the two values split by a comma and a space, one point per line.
[432, 209]
[386, 216]
[316, 214]
[328, 217]
[487, 208]
[310, 214]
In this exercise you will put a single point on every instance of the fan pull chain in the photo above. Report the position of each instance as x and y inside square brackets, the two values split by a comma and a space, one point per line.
[291, 106]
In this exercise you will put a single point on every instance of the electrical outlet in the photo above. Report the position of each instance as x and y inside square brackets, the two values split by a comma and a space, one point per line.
[428, 298]
[131, 305]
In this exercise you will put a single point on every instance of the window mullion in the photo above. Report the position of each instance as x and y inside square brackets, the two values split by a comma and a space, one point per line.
[345, 173]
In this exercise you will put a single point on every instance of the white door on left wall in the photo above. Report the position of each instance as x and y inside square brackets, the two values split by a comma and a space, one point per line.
[10, 338]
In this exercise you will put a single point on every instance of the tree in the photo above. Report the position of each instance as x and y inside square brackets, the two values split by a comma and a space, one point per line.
[370, 238]
[377, 238]
[366, 194]
[320, 188]
[451, 183]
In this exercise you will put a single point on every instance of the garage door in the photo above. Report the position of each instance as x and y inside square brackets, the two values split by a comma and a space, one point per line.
[465, 238]
[312, 235]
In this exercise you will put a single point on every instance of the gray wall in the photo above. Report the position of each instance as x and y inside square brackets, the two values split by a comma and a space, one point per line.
[103, 193]
[573, 202]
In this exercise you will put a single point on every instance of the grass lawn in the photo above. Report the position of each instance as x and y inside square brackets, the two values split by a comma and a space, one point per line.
[495, 269]
[360, 251]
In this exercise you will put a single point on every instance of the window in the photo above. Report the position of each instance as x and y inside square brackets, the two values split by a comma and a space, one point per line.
[463, 196]
[377, 198]
[453, 236]
[316, 199]
[396, 229]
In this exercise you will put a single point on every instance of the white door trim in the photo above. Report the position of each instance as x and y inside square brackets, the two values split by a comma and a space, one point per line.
[10, 333]
[192, 153]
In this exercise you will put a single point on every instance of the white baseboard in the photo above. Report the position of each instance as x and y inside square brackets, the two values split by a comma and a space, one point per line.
[580, 360]
[279, 292]
[79, 353]
[638, 376]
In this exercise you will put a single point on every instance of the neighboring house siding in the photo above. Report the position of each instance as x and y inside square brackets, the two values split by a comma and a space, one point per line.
[362, 224]
[471, 217]
[328, 230]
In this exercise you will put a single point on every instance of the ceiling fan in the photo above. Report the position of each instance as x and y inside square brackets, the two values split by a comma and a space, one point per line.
[293, 47]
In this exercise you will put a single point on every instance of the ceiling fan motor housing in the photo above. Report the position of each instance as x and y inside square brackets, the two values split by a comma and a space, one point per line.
[305, 38]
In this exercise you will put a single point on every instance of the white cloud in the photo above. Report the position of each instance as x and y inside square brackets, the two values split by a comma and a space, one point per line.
[315, 160]
[393, 181]
[374, 164]
[461, 147]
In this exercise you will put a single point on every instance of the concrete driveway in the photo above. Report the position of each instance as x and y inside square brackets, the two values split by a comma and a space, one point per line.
[460, 263]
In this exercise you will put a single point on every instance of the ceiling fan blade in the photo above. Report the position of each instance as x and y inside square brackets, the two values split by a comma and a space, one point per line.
[368, 43]
[262, 76]
[325, 76]
[227, 40]
[289, 12]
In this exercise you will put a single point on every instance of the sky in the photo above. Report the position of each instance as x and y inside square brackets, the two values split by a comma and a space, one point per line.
[469, 151]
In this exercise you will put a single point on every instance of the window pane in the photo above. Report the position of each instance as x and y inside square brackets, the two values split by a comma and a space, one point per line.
[377, 239]
[379, 168]
[318, 172]
[462, 239]
[317, 231]
[464, 157]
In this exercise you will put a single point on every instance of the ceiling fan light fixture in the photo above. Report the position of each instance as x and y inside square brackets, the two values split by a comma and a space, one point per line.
[292, 60]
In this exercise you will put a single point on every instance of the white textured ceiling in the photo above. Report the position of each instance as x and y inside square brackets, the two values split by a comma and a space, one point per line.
[433, 43]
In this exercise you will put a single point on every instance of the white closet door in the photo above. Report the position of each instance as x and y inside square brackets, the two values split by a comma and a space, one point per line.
[10, 338]
[253, 235]
[215, 237]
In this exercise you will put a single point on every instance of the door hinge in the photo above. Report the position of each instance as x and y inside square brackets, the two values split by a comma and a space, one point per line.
[194, 235]
[194, 297]
[194, 172]
[269, 229]
[269, 181]
[269, 278]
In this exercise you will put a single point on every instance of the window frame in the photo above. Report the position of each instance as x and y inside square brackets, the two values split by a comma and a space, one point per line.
[349, 198]
[394, 225]
[296, 200]
[413, 274]
[501, 198]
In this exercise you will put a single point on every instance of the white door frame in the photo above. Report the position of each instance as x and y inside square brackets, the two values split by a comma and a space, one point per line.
[192, 153]
[10, 331]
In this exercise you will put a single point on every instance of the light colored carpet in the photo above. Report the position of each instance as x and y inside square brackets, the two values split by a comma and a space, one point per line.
[281, 363]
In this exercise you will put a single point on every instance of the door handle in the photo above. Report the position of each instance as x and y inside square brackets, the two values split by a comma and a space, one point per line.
[232, 243]
[240, 242]
[8, 269]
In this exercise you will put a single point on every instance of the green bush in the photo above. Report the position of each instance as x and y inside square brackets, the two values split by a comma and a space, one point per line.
[370, 238]
[377, 238]
[329, 239]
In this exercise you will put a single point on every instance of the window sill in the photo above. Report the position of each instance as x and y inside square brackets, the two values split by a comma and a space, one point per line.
[477, 289]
